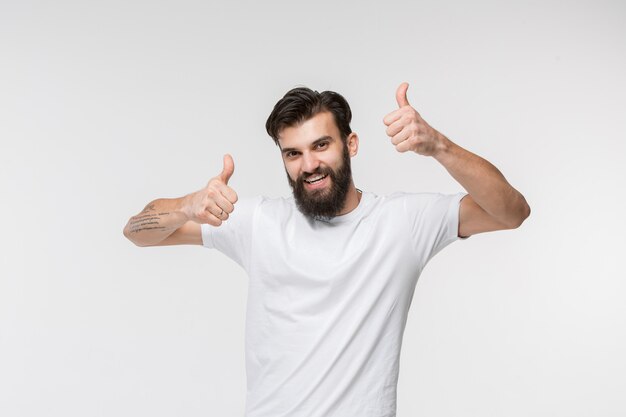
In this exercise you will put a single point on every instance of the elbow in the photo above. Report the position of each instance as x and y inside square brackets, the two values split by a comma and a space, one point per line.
[522, 214]
[126, 234]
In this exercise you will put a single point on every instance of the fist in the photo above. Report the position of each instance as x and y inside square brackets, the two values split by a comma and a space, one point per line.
[215, 202]
[408, 131]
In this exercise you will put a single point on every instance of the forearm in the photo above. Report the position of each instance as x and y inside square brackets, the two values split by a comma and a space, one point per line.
[159, 219]
[484, 182]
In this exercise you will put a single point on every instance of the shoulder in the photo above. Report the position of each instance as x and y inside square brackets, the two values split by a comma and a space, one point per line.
[274, 203]
[418, 199]
[246, 206]
[431, 205]
[271, 207]
[253, 203]
[243, 213]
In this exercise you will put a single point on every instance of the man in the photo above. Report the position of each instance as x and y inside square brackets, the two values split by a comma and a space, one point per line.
[332, 270]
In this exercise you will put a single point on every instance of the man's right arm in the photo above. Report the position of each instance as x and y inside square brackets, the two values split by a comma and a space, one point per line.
[160, 221]
[176, 221]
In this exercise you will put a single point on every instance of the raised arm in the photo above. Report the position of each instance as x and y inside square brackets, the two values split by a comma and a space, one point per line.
[492, 203]
[176, 221]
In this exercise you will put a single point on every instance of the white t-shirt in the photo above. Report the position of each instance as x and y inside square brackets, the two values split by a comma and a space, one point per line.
[328, 301]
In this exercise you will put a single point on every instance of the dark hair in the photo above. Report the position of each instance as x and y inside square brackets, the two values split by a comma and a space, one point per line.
[302, 103]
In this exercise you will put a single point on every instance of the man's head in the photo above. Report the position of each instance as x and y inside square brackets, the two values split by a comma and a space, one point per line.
[301, 103]
[313, 133]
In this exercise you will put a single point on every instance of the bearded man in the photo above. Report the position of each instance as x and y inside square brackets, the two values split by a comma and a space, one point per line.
[332, 269]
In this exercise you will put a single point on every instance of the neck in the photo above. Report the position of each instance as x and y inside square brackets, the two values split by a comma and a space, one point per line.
[352, 200]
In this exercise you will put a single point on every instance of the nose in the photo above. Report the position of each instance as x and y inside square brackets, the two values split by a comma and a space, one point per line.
[309, 162]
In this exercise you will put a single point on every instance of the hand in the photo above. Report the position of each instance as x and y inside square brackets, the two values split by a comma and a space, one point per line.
[407, 129]
[214, 202]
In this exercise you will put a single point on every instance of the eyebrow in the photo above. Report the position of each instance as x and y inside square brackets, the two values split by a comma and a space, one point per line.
[315, 142]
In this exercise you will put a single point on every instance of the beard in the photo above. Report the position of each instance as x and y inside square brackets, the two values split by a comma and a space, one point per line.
[324, 204]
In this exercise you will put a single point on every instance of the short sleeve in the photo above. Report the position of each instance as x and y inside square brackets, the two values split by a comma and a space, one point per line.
[434, 221]
[234, 236]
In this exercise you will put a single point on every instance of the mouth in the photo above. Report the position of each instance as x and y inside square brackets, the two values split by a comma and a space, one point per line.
[317, 181]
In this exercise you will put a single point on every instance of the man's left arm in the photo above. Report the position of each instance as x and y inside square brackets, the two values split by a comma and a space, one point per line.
[492, 203]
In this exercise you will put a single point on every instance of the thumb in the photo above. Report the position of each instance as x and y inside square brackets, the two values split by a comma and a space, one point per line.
[229, 168]
[401, 95]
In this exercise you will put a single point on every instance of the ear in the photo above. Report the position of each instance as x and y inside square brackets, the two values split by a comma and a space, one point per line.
[353, 144]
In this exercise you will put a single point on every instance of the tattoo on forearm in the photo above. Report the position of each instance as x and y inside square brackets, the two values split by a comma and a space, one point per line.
[147, 221]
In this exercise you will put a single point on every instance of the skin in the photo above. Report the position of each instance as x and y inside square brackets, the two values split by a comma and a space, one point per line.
[317, 143]
[176, 221]
[491, 204]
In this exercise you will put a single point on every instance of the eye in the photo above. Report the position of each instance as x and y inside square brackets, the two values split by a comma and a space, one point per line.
[291, 154]
[321, 145]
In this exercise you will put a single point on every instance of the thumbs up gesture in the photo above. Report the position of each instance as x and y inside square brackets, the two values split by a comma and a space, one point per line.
[408, 131]
[215, 202]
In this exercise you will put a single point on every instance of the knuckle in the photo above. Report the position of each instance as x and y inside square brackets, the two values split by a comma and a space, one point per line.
[211, 193]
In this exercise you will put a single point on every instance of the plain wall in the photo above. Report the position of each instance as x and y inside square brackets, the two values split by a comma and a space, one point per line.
[105, 106]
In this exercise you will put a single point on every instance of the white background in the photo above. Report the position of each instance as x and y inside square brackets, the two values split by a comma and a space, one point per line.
[105, 106]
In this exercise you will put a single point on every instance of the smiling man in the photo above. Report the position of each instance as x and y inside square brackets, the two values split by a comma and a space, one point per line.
[319, 171]
[332, 269]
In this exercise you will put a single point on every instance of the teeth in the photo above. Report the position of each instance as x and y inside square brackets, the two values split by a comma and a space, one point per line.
[315, 179]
